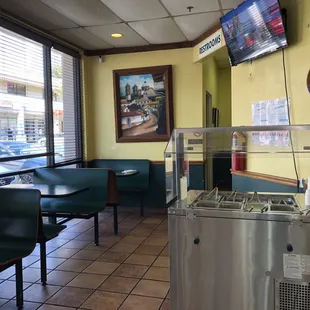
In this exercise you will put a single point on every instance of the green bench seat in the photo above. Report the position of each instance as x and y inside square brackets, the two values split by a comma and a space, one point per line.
[19, 219]
[102, 192]
[136, 183]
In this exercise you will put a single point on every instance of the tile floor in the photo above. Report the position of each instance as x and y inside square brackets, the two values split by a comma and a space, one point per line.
[126, 272]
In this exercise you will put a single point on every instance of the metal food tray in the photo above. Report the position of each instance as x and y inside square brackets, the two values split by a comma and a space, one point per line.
[250, 202]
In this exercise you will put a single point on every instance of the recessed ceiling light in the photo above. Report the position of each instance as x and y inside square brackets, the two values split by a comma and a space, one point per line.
[116, 35]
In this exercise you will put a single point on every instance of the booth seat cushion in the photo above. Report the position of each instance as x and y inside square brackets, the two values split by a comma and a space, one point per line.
[138, 182]
[70, 205]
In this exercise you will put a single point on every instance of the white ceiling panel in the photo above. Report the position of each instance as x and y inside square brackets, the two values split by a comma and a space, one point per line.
[129, 38]
[134, 10]
[159, 31]
[179, 7]
[230, 4]
[37, 13]
[82, 38]
[84, 12]
[194, 25]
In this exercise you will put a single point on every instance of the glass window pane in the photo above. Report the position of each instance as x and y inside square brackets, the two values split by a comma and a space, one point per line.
[64, 107]
[22, 104]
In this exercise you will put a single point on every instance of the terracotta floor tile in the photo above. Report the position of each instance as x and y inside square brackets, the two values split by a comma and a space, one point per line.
[75, 244]
[104, 268]
[150, 226]
[124, 247]
[57, 242]
[140, 232]
[151, 220]
[159, 234]
[158, 273]
[139, 259]
[51, 263]
[102, 247]
[165, 305]
[76, 265]
[87, 254]
[63, 253]
[7, 273]
[162, 261]
[104, 300]
[30, 275]
[29, 260]
[130, 271]
[113, 257]
[3, 301]
[119, 285]
[7, 289]
[149, 249]
[57, 277]
[133, 239]
[11, 305]
[85, 280]
[141, 303]
[68, 235]
[151, 288]
[51, 307]
[163, 227]
[40, 293]
[70, 296]
[49, 249]
[165, 251]
[156, 241]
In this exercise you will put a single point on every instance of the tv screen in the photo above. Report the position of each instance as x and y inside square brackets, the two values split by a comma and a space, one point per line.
[253, 29]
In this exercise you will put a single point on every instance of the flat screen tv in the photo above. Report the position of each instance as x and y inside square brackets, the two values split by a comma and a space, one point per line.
[254, 29]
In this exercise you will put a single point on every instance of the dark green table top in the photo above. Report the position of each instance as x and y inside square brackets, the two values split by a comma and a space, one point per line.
[126, 173]
[50, 191]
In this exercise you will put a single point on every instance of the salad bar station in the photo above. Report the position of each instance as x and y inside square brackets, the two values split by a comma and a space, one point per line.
[236, 250]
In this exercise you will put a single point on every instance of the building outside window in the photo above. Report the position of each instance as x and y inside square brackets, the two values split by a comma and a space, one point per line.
[16, 89]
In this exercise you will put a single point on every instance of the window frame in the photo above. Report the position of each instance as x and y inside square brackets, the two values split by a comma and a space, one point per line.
[48, 97]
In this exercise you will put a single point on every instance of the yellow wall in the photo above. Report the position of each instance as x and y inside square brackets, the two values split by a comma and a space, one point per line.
[217, 81]
[263, 80]
[99, 106]
[224, 96]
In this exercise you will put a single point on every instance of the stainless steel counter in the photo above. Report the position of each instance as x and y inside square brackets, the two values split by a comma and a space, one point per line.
[240, 259]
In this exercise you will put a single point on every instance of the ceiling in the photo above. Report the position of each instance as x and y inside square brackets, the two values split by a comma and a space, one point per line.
[90, 23]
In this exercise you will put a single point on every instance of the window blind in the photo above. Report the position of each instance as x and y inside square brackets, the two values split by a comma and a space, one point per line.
[22, 104]
[28, 115]
[65, 108]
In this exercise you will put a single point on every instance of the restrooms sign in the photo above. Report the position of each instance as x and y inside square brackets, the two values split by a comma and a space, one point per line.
[211, 44]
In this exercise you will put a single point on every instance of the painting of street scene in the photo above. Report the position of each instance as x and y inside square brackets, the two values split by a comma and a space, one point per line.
[143, 106]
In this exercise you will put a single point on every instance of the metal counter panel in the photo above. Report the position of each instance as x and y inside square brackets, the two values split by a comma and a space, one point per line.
[236, 263]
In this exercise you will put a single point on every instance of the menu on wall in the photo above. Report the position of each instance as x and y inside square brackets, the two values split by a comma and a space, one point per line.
[268, 113]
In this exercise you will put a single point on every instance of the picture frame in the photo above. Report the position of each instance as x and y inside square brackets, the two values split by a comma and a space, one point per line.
[143, 102]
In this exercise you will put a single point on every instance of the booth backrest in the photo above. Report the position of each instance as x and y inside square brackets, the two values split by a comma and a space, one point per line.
[101, 182]
[136, 182]
[20, 214]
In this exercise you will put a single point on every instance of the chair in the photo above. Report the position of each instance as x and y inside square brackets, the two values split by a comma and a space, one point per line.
[19, 218]
[46, 233]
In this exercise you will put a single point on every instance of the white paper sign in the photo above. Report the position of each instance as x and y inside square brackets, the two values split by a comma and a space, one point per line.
[270, 112]
[295, 266]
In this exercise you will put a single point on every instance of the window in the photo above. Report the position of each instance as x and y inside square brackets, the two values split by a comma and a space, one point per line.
[16, 89]
[65, 112]
[39, 106]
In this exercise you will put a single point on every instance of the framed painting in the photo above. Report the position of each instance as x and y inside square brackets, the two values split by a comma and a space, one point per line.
[143, 104]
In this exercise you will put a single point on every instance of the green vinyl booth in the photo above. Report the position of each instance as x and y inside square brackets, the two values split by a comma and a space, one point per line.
[102, 192]
[19, 226]
[138, 183]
